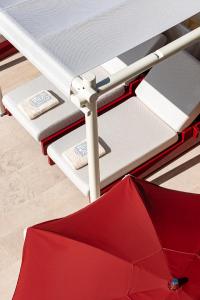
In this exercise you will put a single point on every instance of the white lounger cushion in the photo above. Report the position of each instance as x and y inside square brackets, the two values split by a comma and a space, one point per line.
[172, 90]
[131, 132]
[57, 118]
[67, 113]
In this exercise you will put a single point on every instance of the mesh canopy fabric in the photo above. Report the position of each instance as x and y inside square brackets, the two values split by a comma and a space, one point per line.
[65, 38]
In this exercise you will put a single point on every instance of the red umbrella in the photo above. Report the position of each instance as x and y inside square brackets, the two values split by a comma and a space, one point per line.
[138, 242]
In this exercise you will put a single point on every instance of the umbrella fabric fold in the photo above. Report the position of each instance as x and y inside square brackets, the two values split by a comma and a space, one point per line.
[133, 243]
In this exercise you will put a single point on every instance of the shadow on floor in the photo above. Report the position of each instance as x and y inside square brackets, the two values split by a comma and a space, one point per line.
[176, 171]
[12, 63]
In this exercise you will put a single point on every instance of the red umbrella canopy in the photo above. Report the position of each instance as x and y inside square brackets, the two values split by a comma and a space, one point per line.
[137, 242]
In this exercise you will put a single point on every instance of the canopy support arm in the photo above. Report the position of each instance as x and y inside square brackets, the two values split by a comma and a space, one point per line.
[85, 88]
[85, 95]
[144, 64]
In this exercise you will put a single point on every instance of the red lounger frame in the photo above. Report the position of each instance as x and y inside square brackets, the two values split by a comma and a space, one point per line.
[6, 50]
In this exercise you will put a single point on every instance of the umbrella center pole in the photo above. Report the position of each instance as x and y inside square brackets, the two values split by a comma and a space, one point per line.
[85, 98]
[176, 283]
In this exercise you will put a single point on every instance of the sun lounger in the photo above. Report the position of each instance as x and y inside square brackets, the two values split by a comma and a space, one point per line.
[66, 114]
[167, 102]
[125, 147]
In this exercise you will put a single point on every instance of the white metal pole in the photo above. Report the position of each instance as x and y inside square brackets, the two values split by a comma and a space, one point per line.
[91, 120]
[84, 96]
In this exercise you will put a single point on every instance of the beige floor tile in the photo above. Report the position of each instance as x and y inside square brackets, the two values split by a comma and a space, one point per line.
[14, 191]
[12, 73]
[8, 284]
[17, 158]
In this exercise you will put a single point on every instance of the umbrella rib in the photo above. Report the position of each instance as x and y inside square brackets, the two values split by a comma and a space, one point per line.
[146, 257]
[149, 290]
[190, 263]
[82, 242]
[182, 252]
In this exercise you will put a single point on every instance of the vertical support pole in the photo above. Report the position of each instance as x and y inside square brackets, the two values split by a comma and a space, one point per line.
[93, 151]
[2, 108]
[91, 120]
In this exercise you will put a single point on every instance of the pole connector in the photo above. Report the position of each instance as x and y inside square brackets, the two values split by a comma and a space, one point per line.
[84, 91]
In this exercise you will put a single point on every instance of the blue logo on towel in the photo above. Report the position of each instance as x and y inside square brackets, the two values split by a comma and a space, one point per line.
[81, 149]
[40, 99]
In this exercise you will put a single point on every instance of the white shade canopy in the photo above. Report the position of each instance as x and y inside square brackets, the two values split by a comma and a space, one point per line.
[65, 38]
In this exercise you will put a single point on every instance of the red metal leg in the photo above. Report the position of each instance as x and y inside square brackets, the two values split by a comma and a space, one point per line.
[197, 130]
[6, 50]
[50, 161]
[8, 113]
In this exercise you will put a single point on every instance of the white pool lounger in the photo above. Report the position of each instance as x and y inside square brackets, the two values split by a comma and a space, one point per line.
[129, 143]
[67, 113]
[167, 101]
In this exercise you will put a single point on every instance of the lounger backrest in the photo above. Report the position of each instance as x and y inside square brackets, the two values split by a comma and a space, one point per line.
[120, 62]
[172, 90]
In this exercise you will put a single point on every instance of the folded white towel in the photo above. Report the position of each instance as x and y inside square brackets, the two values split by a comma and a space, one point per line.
[38, 104]
[77, 155]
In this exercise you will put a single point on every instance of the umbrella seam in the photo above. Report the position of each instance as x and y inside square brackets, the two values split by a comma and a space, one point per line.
[146, 257]
[80, 242]
[182, 252]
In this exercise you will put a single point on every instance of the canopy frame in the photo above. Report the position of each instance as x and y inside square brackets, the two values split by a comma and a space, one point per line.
[85, 94]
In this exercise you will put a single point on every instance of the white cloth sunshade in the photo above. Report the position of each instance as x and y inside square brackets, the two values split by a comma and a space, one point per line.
[65, 38]
[143, 126]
